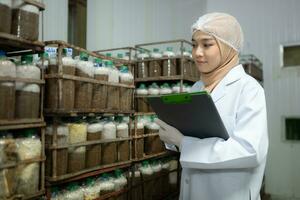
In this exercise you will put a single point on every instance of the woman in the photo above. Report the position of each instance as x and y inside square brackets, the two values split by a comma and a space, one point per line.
[214, 169]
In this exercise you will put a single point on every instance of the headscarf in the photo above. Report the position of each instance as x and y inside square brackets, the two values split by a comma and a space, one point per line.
[229, 37]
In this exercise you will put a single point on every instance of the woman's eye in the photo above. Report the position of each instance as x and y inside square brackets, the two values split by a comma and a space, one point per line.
[194, 45]
[207, 45]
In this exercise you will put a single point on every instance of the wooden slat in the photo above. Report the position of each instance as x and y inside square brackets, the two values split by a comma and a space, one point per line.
[165, 58]
[163, 42]
[144, 113]
[12, 164]
[158, 155]
[89, 80]
[113, 194]
[89, 143]
[23, 80]
[166, 78]
[86, 112]
[87, 173]
[21, 124]
[13, 44]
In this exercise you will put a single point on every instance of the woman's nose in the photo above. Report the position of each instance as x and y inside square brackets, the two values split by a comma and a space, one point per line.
[198, 52]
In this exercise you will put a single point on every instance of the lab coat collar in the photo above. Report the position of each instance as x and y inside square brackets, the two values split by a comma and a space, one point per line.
[233, 75]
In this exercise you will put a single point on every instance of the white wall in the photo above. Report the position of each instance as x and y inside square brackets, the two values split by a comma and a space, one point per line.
[55, 20]
[267, 24]
[119, 23]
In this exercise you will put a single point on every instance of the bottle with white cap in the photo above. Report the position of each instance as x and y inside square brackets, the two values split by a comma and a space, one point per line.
[155, 65]
[7, 89]
[126, 77]
[143, 65]
[113, 98]
[5, 16]
[25, 20]
[99, 99]
[28, 94]
[84, 90]
[141, 105]
[169, 65]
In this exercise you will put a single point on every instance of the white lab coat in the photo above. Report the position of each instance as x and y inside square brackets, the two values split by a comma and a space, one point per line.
[214, 169]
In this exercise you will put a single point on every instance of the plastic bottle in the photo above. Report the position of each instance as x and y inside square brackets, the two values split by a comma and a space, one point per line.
[99, 99]
[120, 180]
[155, 66]
[123, 146]
[28, 95]
[142, 105]
[77, 155]
[126, 94]
[7, 88]
[29, 146]
[93, 152]
[165, 89]
[113, 100]
[169, 65]
[143, 65]
[147, 174]
[176, 88]
[84, 90]
[55, 194]
[90, 190]
[154, 90]
[109, 150]
[138, 143]
[153, 144]
[186, 62]
[106, 184]
[68, 86]
[5, 16]
[62, 154]
[157, 186]
[74, 192]
[25, 20]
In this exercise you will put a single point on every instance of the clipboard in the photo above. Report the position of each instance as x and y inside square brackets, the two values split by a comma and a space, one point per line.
[193, 114]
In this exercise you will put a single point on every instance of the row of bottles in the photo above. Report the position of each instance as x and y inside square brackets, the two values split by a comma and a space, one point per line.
[142, 105]
[155, 179]
[78, 158]
[86, 95]
[92, 188]
[167, 63]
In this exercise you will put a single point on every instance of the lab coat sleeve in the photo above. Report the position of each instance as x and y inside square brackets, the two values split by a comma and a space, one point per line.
[246, 147]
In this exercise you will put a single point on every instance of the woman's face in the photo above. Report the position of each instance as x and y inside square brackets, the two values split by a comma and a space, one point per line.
[206, 52]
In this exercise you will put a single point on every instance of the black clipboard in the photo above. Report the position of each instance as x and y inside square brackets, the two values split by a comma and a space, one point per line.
[193, 114]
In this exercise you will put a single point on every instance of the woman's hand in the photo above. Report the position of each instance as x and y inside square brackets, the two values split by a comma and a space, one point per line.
[169, 134]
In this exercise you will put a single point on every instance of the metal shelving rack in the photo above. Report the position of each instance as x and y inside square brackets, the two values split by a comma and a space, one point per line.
[57, 113]
[252, 66]
[16, 46]
[132, 63]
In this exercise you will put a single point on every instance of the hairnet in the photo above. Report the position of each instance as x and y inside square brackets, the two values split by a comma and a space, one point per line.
[223, 27]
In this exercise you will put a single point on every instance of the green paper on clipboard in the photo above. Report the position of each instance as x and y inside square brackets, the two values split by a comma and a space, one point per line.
[193, 114]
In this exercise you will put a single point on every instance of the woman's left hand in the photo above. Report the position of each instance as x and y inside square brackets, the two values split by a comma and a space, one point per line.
[169, 134]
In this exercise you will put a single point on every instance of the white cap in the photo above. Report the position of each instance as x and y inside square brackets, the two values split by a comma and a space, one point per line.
[223, 27]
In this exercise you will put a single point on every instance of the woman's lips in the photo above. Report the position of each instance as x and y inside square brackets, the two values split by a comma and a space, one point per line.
[200, 62]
